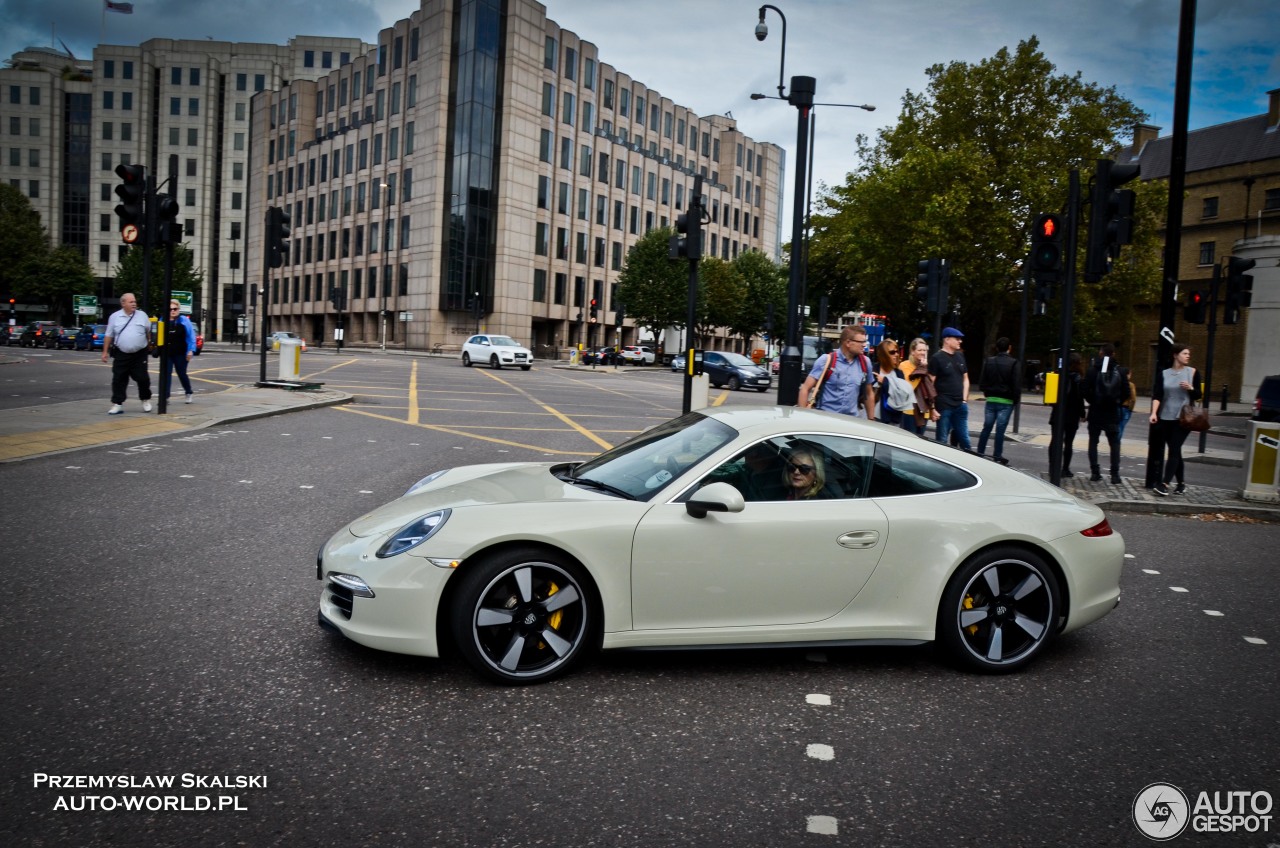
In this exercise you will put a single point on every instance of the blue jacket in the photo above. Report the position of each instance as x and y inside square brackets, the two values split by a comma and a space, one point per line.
[190, 333]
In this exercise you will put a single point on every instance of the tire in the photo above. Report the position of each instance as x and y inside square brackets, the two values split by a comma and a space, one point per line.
[999, 611]
[525, 367]
[524, 616]
[733, 384]
[495, 363]
[466, 360]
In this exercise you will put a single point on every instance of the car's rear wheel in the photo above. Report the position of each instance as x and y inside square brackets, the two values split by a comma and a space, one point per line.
[1000, 610]
[523, 616]
[466, 360]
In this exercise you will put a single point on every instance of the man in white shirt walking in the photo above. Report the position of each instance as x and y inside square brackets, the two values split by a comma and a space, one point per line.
[126, 340]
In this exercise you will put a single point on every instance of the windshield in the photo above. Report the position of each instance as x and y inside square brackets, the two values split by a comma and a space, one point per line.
[645, 465]
[504, 341]
[737, 360]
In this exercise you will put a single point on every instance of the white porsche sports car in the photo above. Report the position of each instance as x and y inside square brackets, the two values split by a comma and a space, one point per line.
[724, 527]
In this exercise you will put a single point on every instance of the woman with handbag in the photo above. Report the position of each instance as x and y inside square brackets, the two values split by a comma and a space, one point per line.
[916, 370]
[1175, 388]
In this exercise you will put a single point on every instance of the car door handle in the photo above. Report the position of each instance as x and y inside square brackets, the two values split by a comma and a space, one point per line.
[860, 539]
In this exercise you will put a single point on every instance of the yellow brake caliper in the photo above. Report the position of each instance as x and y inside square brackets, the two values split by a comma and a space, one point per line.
[968, 604]
[553, 620]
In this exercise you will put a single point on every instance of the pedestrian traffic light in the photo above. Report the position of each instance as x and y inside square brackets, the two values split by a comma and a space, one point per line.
[1194, 312]
[277, 236]
[1110, 219]
[928, 280]
[595, 310]
[131, 210]
[1045, 258]
[338, 297]
[168, 230]
[688, 243]
[619, 314]
[1239, 288]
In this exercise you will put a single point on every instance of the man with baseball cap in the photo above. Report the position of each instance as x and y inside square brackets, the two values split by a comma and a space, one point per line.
[950, 375]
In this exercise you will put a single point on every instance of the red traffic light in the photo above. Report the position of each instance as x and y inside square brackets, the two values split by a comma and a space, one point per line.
[1048, 226]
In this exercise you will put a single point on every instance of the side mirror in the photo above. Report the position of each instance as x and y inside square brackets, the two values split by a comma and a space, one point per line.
[715, 497]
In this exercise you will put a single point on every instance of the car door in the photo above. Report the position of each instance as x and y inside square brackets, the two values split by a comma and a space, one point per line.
[775, 563]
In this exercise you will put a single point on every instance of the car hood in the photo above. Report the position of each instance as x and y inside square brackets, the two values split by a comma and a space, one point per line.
[477, 485]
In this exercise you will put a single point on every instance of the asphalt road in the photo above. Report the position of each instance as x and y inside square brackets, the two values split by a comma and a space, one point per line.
[161, 622]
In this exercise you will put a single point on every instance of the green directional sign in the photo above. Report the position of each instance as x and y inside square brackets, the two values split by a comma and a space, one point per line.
[85, 304]
[184, 300]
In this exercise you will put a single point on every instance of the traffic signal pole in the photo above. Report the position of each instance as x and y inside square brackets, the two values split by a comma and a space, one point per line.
[1070, 237]
[791, 363]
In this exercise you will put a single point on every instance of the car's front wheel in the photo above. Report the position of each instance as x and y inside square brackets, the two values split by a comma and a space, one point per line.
[734, 384]
[466, 359]
[524, 616]
[1000, 610]
[495, 363]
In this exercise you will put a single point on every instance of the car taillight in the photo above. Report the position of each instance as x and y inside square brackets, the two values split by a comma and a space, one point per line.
[1102, 528]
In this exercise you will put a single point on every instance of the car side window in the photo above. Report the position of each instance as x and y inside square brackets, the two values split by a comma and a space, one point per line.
[899, 472]
[846, 463]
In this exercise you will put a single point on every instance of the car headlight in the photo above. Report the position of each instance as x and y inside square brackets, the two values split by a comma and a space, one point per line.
[424, 482]
[414, 533]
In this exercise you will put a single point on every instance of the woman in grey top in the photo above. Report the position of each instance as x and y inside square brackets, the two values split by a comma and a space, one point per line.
[1175, 388]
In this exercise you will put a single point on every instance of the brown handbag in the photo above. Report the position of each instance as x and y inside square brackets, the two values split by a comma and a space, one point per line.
[1194, 418]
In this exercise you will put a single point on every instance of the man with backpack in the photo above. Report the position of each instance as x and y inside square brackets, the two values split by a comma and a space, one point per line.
[1106, 389]
[844, 379]
[1002, 388]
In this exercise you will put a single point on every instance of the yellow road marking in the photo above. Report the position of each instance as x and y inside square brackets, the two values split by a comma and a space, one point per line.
[455, 432]
[557, 413]
[413, 393]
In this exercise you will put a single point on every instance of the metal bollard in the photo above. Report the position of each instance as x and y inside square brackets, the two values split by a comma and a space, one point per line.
[1223, 407]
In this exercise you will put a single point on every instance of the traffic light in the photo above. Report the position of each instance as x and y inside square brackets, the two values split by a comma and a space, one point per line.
[595, 310]
[688, 243]
[277, 236]
[338, 297]
[1195, 310]
[1239, 288]
[1111, 218]
[168, 230]
[619, 315]
[1046, 258]
[928, 283]
[131, 210]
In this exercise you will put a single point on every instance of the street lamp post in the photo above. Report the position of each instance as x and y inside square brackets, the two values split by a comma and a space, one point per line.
[791, 362]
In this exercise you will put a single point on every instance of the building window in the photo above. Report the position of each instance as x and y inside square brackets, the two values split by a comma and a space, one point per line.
[1207, 252]
[1271, 200]
[1210, 209]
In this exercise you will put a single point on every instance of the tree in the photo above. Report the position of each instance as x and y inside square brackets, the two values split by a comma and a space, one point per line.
[721, 291]
[23, 243]
[654, 287]
[960, 176]
[766, 285]
[186, 276]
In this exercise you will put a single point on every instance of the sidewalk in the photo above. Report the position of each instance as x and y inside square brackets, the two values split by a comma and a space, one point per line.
[53, 428]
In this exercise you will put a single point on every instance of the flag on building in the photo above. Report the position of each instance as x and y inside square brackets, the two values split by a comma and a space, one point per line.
[122, 8]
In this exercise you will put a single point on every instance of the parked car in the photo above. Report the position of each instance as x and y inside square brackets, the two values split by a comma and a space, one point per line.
[90, 337]
[677, 363]
[200, 343]
[605, 355]
[724, 368]
[273, 340]
[40, 334]
[526, 568]
[497, 351]
[9, 336]
[638, 354]
[1266, 405]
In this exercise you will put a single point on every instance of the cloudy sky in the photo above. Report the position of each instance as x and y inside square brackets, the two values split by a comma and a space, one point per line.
[703, 53]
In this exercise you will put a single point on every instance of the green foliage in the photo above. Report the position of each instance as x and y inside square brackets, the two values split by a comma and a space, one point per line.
[186, 276]
[960, 176]
[23, 244]
[721, 292]
[766, 283]
[654, 287]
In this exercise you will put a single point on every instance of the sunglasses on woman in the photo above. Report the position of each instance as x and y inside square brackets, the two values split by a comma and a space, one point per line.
[799, 466]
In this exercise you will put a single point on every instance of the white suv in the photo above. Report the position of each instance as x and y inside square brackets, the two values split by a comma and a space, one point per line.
[638, 354]
[497, 351]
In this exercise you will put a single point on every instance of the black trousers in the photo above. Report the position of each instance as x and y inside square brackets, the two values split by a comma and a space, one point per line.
[126, 367]
[1112, 431]
[1172, 434]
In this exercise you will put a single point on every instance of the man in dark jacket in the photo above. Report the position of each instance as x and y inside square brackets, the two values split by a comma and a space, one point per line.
[1106, 389]
[1000, 385]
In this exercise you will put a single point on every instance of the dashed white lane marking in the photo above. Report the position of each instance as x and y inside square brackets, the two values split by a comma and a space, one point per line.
[306, 487]
[825, 825]
[821, 752]
[133, 472]
[818, 700]
[365, 492]
[1213, 613]
[1254, 640]
[244, 481]
[186, 476]
[1149, 571]
[1130, 556]
[330, 438]
[1177, 589]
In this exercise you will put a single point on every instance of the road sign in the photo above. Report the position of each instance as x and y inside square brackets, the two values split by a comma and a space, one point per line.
[184, 300]
[85, 304]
